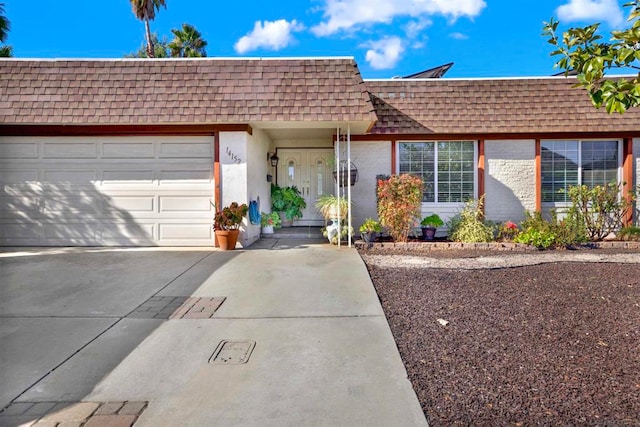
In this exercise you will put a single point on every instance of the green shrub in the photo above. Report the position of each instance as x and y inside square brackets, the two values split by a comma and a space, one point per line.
[399, 201]
[469, 225]
[629, 233]
[568, 231]
[600, 208]
[542, 239]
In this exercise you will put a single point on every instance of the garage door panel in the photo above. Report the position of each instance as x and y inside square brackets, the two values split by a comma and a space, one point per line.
[72, 205]
[185, 204]
[186, 231]
[127, 233]
[128, 151]
[79, 177]
[180, 150]
[70, 150]
[18, 176]
[15, 151]
[18, 205]
[130, 204]
[80, 233]
[21, 232]
[127, 177]
[193, 175]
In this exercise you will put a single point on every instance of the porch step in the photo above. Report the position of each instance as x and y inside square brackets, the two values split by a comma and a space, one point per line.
[305, 232]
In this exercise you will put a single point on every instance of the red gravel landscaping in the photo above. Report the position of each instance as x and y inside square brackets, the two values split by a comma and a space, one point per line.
[550, 344]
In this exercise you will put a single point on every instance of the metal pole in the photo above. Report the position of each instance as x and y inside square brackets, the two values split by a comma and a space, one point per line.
[349, 180]
[338, 181]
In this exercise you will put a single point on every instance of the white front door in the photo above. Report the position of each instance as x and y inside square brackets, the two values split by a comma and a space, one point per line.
[310, 170]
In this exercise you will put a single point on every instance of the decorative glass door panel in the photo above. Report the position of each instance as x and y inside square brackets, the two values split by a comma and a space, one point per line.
[310, 170]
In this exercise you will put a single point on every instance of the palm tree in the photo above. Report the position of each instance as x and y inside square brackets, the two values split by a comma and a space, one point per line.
[145, 10]
[160, 48]
[5, 26]
[187, 43]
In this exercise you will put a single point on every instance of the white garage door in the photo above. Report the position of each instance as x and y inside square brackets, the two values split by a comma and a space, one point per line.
[106, 191]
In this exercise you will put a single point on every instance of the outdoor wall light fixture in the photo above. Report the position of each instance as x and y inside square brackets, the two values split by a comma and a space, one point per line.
[273, 158]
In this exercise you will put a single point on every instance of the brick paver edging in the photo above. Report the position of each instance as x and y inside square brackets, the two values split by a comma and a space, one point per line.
[492, 246]
[76, 414]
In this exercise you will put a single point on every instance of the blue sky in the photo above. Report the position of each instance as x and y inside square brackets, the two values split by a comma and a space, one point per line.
[484, 38]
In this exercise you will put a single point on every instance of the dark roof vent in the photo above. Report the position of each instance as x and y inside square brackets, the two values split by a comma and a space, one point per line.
[432, 73]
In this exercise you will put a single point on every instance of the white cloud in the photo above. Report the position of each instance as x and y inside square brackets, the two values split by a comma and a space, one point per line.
[459, 36]
[591, 10]
[384, 54]
[347, 15]
[414, 28]
[273, 35]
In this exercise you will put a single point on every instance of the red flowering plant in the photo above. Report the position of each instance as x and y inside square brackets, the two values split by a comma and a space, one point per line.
[508, 231]
[230, 217]
[399, 202]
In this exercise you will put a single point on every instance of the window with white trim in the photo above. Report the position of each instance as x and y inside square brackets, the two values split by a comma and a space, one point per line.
[566, 163]
[447, 169]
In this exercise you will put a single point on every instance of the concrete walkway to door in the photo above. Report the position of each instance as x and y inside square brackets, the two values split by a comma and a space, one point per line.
[323, 355]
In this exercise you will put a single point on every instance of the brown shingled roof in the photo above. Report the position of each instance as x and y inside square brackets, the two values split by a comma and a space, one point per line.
[198, 91]
[490, 106]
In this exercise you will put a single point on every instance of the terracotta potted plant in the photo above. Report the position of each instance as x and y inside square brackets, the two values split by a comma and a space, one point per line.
[226, 224]
[429, 225]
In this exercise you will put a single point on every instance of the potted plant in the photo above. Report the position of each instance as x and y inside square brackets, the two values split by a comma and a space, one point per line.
[429, 225]
[334, 209]
[328, 204]
[269, 221]
[288, 202]
[369, 230]
[226, 224]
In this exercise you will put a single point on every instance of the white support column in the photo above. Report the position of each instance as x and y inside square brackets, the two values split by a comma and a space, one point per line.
[338, 181]
[349, 181]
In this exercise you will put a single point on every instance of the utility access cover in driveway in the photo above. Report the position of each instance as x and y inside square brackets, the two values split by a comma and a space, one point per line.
[231, 352]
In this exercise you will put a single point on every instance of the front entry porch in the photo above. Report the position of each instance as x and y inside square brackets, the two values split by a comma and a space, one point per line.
[305, 232]
[311, 171]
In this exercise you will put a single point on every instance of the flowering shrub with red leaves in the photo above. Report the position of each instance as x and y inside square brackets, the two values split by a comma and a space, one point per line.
[399, 201]
[230, 217]
[508, 231]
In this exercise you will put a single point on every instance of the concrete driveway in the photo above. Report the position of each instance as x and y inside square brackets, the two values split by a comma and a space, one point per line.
[284, 334]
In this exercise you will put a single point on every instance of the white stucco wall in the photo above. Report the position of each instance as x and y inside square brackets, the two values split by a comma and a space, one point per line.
[257, 186]
[239, 151]
[302, 142]
[371, 159]
[510, 179]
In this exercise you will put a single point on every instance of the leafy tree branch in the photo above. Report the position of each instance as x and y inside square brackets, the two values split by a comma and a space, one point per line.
[582, 51]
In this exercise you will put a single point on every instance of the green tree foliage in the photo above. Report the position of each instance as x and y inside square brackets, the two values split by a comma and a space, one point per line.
[160, 48]
[145, 11]
[399, 201]
[187, 43]
[5, 50]
[581, 50]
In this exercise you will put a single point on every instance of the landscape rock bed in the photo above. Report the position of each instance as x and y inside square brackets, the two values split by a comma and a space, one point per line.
[547, 343]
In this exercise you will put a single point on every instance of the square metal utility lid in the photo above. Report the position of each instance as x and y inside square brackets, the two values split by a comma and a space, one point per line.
[232, 352]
